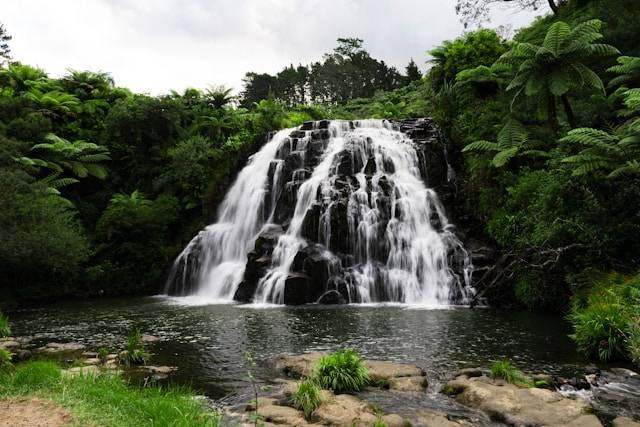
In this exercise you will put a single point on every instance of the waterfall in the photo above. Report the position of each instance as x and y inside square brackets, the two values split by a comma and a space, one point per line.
[332, 212]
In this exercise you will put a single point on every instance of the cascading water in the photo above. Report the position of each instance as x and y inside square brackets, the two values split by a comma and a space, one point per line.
[330, 212]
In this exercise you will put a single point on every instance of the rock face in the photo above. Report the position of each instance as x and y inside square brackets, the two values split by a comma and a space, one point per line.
[514, 405]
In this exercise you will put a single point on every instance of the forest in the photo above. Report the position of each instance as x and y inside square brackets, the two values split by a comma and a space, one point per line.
[543, 128]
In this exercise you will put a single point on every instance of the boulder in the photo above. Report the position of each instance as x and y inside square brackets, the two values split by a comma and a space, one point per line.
[437, 419]
[514, 405]
[332, 297]
[345, 410]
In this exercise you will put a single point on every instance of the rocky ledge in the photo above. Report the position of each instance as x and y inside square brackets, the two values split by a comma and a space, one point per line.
[389, 375]
[522, 406]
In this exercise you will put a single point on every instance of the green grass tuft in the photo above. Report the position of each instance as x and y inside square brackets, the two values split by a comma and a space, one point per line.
[307, 397]
[342, 372]
[504, 370]
[5, 328]
[135, 352]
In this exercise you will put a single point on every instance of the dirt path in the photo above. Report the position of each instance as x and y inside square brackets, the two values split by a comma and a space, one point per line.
[29, 412]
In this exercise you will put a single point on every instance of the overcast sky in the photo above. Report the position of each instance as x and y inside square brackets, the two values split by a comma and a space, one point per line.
[156, 45]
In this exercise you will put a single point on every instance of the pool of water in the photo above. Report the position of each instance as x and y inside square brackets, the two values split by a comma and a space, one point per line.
[208, 342]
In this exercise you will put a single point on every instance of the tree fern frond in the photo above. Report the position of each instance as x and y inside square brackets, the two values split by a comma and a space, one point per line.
[481, 146]
[556, 37]
[504, 156]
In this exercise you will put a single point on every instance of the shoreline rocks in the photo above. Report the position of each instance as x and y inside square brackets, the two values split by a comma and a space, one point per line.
[514, 405]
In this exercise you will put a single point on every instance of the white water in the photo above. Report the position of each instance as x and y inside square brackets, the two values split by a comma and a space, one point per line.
[416, 270]
[225, 244]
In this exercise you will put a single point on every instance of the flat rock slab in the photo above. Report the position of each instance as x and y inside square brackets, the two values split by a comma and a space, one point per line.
[437, 419]
[625, 422]
[514, 405]
[90, 370]
[32, 413]
[61, 348]
[399, 376]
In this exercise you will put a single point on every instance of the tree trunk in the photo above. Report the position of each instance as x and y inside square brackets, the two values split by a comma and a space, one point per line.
[571, 118]
[552, 113]
[553, 6]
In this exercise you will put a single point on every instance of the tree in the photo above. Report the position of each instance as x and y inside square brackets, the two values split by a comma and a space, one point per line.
[80, 157]
[5, 51]
[412, 72]
[482, 47]
[477, 11]
[552, 70]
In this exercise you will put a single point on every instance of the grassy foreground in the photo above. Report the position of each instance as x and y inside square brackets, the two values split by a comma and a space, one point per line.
[107, 400]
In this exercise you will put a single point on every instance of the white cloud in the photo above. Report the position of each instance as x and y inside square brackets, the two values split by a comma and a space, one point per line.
[157, 45]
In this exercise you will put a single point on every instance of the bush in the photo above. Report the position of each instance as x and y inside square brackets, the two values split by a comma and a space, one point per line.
[343, 371]
[135, 353]
[603, 319]
[307, 397]
[5, 360]
[5, 328]
[504, 370]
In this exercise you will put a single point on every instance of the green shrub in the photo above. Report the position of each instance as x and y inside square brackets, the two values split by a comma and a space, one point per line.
[5, 328]
[380, 423]
[5, 360]
[135, 353]
[343, 371]
[103, 353]
[307, 397]
[504, 370]
[602, 318]
[633, 341]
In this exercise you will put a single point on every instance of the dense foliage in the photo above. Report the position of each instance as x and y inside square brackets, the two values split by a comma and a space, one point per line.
[307, 397]
[98, 181]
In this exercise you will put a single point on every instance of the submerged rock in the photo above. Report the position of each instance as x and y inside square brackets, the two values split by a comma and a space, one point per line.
[515, 405]
[54, 348]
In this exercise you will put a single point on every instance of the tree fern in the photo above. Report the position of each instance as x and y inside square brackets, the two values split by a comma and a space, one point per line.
[557, 66]
[628, 69]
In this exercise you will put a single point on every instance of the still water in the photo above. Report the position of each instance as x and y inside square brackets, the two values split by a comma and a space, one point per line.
[207, 342]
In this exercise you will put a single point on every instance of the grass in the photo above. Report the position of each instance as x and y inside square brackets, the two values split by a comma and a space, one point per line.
[604, 318]
[342, 372]
[5, 328]
[505, 370]
[135, 352]
[307, 397]
[107, 399]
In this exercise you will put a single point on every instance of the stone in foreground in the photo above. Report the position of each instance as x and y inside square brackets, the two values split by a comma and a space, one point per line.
[514, 405]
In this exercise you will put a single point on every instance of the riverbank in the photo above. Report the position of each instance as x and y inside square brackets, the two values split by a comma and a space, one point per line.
[42, 393]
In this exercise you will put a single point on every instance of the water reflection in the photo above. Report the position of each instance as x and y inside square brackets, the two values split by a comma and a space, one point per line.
[207, 343]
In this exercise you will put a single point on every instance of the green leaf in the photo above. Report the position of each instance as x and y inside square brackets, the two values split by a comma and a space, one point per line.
[504, 156]
[481, 146]
[556, 37]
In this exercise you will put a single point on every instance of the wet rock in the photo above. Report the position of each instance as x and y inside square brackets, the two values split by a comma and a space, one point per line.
[21, 354]
[92, 361]
[625, 422]
[624, 372]
[89, 354]
[591, 370]
[345, 410]
[398, 376]
[149, 338]
[470, 372]
[282, 415]
[437, 419]
[332, 297]
[55, 348]
[514, 405]
[408, 383]
[9, 343]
